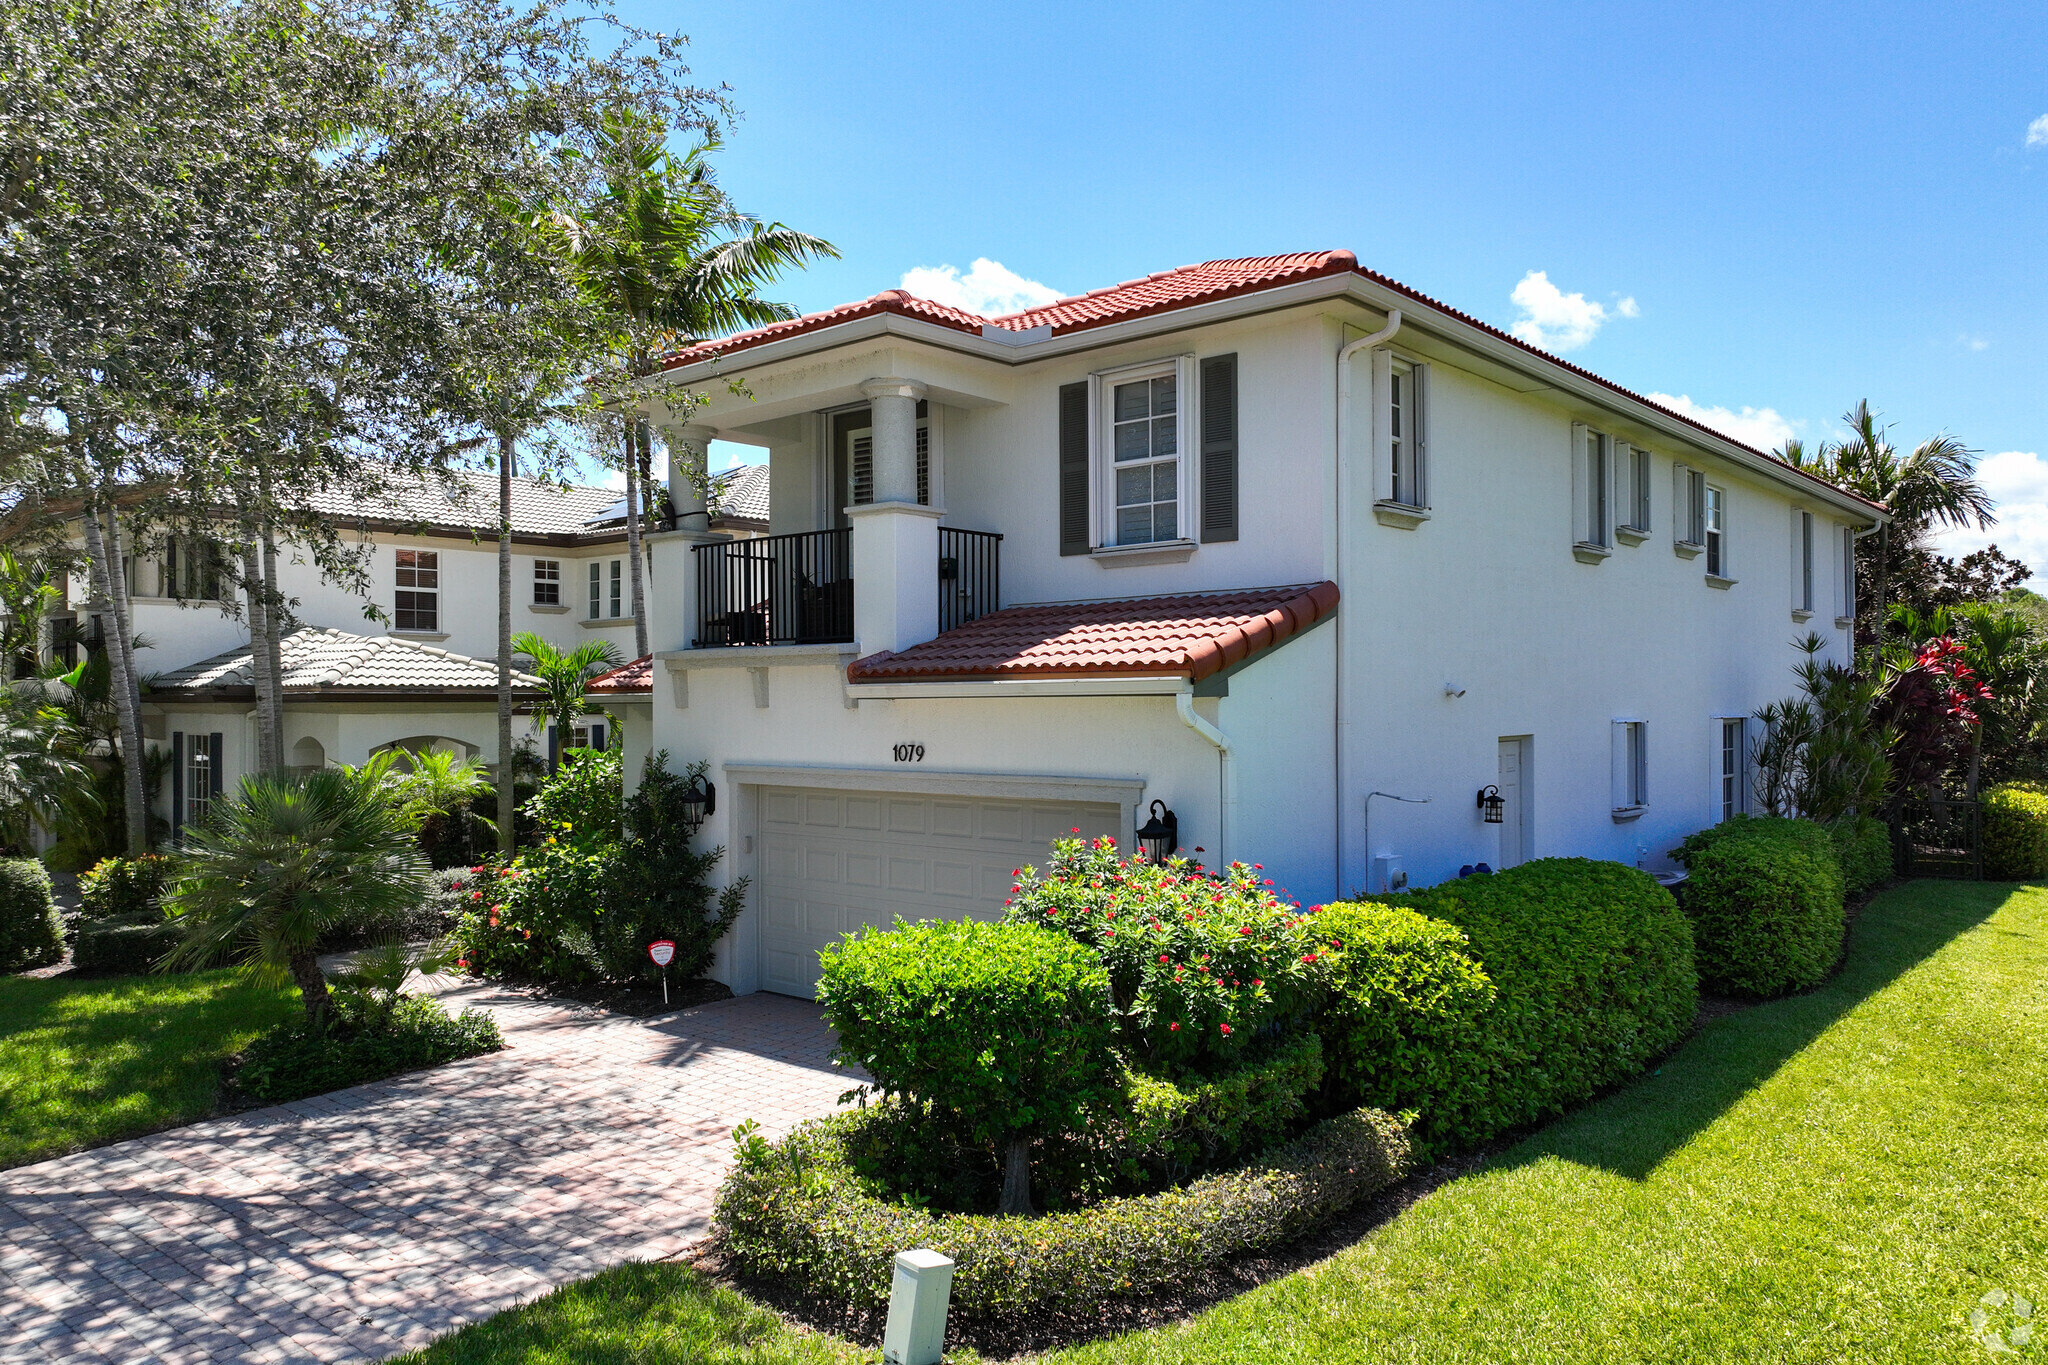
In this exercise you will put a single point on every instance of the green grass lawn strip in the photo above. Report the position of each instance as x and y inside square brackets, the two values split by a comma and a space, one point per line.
[89, 1062]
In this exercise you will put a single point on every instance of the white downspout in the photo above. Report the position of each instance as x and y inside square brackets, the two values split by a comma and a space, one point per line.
[1341, 715]
[1184, 707]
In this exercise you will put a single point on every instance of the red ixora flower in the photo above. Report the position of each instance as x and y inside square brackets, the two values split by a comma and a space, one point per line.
[1162, 957]
[1225, 1028]
[1308, 957]
[1173, 1028]
[1245, 929]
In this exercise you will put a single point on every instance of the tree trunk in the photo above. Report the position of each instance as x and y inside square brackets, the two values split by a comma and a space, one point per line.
[271, 714]
[1017, 1179]
[125, 690]
[506, 455]
[267, 758]
[129, 703]
[633, 436]
[1882, 583]
[305, 969]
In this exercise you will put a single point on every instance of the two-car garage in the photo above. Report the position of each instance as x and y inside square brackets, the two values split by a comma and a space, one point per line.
[831, 860]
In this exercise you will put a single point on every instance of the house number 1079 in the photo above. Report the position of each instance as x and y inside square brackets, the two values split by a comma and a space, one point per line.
[909, 753]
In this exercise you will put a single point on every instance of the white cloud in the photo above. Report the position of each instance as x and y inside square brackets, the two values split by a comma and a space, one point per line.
[2017, 481]
[2037, 132]
[1761, 428]
[1558, 321]
[989, 288]
[1973, 343]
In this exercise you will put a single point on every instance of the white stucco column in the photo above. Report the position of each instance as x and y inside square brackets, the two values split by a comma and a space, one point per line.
[686, 463]
[895, 540]
[672, 609]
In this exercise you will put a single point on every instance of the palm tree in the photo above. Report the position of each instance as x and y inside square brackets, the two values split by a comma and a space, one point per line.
[563, 674]
[668, 256]
[1933, 486]
[37, 761]
[260, 880]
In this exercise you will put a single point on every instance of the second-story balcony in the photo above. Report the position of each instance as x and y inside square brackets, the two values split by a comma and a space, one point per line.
[797, 589]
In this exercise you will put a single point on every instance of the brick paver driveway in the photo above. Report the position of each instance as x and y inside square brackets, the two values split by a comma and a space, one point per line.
[366, 1222]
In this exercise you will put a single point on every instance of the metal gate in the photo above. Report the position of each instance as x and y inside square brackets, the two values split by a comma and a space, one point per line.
[1939, 838]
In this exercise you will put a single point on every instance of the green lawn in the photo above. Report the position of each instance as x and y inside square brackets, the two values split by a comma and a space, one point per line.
[1837, 1177]
[87, 1062]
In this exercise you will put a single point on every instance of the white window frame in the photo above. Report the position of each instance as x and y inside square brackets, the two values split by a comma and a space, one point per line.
[1400, 431]
[1629, 767]
[927, 456]
[1102, 453]
[1714, 532]
[1802, 564]
[547, 575]
[1592, 492]
[198, 775]
[1731, 779]
[423, 561]
[596, 589]
[1688, 509]
[615, 590]
[1635, 470]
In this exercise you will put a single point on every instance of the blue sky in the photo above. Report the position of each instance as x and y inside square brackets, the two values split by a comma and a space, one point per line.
[1771, 210]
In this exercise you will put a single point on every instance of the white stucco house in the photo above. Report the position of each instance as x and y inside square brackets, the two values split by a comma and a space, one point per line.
[425, 675]
[1313, 560]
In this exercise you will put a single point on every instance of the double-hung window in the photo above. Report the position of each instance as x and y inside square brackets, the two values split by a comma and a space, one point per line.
[605, 580]
[1631, 769]
[612, 598]
[1732, 767]
[1144, 447]
[1714, 535]
[1802, 563]
[547, 582]
[418, 599]
[1592, 491]
[1407, 464]
[198, 785]
[1635, 470]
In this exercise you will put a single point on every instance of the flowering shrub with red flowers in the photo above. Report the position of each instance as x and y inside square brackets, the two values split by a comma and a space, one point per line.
[1200, 966]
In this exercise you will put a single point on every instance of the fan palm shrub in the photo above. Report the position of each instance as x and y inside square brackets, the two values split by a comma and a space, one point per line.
[262, 877]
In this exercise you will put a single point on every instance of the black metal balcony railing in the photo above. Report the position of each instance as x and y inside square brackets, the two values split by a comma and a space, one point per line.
[776, 590]
[798, 589]
[970, 576]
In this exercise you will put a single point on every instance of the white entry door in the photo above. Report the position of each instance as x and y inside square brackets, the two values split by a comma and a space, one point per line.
[833, 861]
[1516, 839]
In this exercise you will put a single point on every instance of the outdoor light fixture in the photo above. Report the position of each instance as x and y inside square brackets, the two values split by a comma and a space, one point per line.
[1160, 835]
[699, 800]
[1490, 801]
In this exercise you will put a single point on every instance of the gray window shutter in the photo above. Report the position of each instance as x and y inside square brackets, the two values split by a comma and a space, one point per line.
[1074, 468]
[177, 780]
[1219, 448]
[213, 765]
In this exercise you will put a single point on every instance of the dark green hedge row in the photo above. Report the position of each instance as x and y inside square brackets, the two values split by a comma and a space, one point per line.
[123, 886]
[1765, 897]
[125, 945]
[31, 930]
[1863, 846]
[2015, 832]
[796, 1210]
[365, 1043]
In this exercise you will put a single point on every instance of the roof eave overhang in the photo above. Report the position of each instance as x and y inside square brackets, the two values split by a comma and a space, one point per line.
[1023, 685]
[197, 695]
[1347, 285]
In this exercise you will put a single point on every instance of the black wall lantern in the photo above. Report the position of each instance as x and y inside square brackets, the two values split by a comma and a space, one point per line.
[1490, 801]
[699, 800]
[1160, 835]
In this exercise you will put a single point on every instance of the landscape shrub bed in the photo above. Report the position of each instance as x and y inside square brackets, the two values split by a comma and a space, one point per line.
[125, 945]
[1863, 847]
[798, 1211]
[362, 1040]
[119, 887]
[1591, 965]
[2015, 832]
[31, 930]
[1765, 897]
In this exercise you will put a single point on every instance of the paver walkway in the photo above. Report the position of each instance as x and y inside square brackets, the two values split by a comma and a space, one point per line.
[362, 1223]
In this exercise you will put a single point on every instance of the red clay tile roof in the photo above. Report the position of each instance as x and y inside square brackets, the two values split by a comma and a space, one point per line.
[1194, 636]
[637, 676]
[1163, 292]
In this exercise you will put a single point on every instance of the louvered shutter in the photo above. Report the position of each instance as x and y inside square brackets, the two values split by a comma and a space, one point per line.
[215, 750]
[924, 466]
[177, 780]
[1219, 448]
[860, 469]
[1074, 468]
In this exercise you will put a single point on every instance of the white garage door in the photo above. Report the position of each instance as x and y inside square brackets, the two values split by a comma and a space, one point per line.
[832, 861]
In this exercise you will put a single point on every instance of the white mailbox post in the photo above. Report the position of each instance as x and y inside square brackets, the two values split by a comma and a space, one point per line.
[916, 1332]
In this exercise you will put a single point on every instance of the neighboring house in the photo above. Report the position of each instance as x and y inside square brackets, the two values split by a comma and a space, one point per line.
[1314, 561]
[410, 680]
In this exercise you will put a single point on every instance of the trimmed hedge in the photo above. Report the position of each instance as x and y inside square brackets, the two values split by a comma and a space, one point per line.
[1863, 847]
[125, 945]
[1198, 1123]
[1592, 969]
[1406, 1008]
[1765, 897]
[797, 1211]
[31, 930]
[124, 886]
[295, 1059]
[2015, 832]
[999, 1026]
